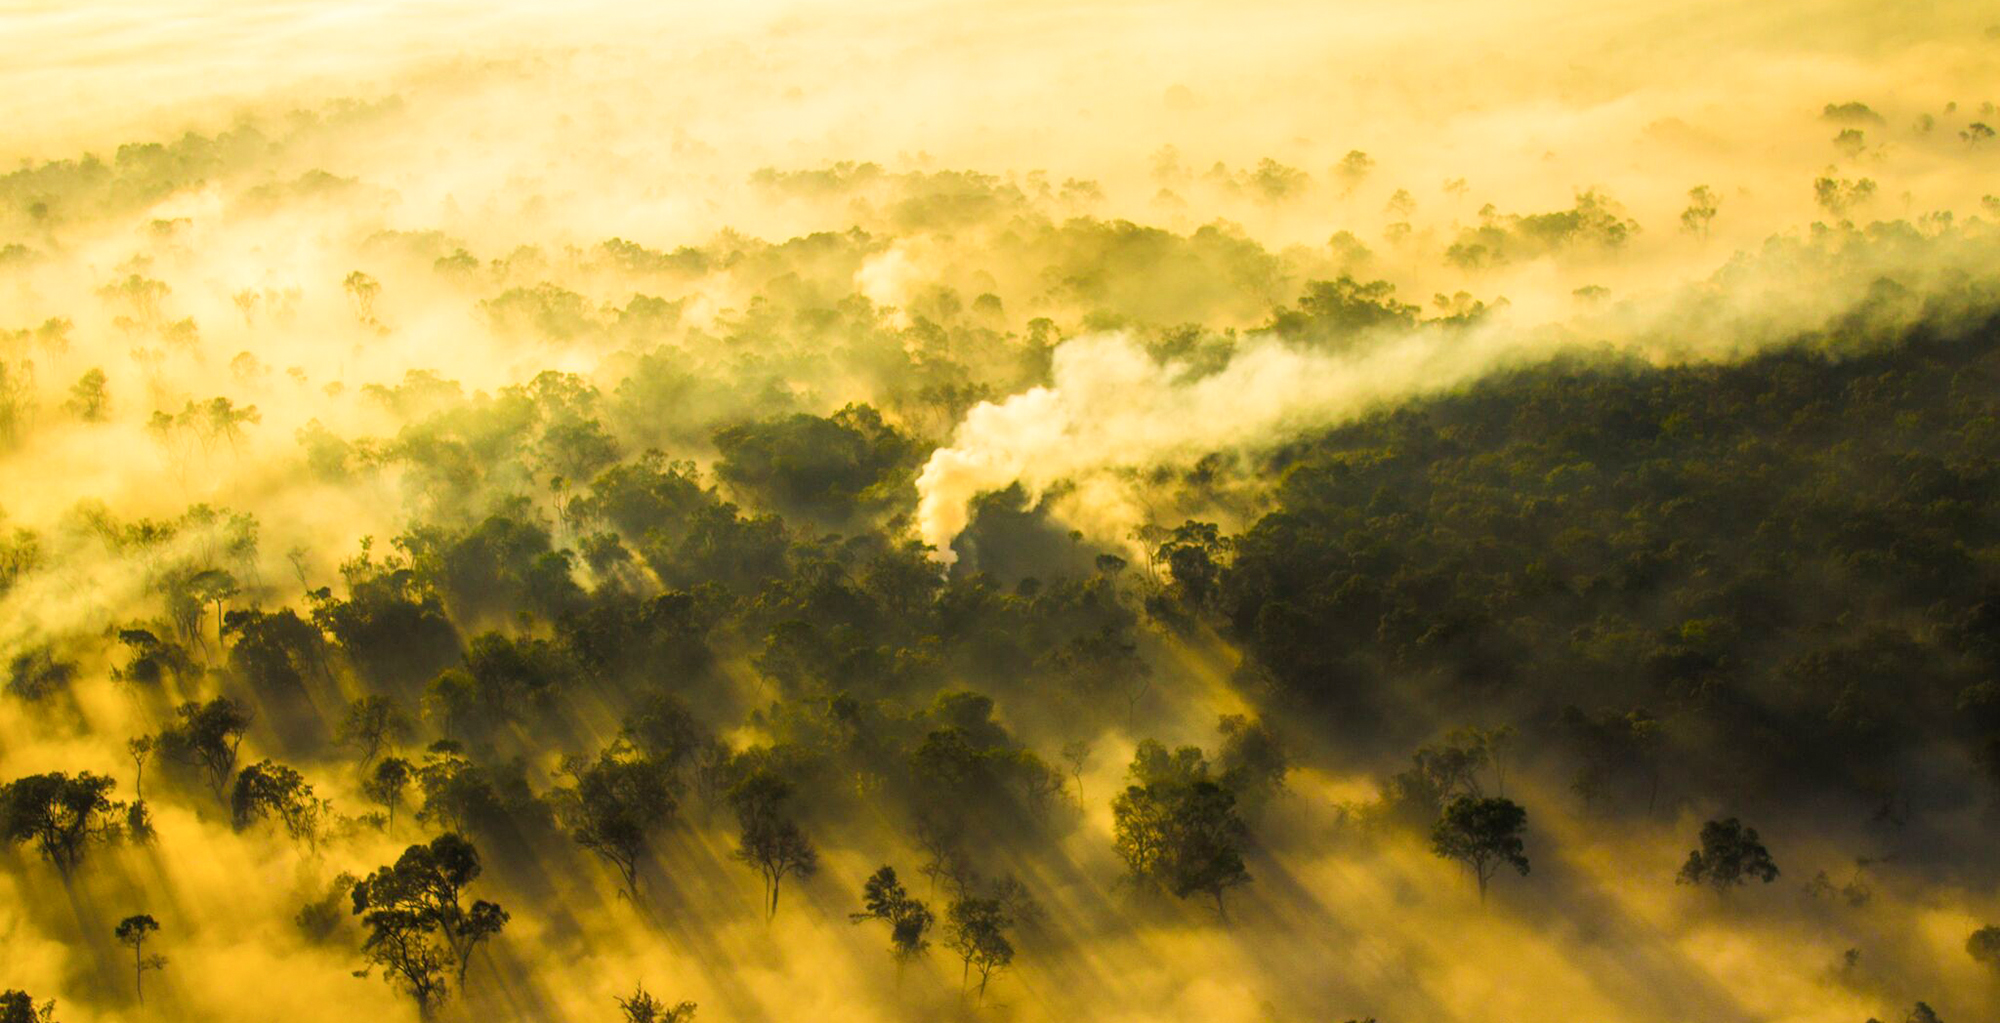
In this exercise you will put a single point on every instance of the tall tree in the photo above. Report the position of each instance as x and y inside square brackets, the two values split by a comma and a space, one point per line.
[770, 841]
[614, 804]
[977, 931]
[133, 932]
[1177, 829]
[1484, 833]
[386, 783]
[418, 924]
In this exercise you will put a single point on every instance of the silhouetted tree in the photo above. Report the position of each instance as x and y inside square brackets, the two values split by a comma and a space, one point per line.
[418, 924]
[385, 786]
[268, 789]
[132, 932]
[89, 400]
[1701, 209]
[207, 735]
[883, 898]
[374, 723]
[1730, 855]
[18, 1007]
[770, 841]
[1984, 946]
[1177, 829]
[1076, 755]
[63, 816]
[977, 931]
[614, 804]
[1484, 833]
[642, 1007]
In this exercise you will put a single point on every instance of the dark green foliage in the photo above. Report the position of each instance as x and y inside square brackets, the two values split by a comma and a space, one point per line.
[884, 898]
[153, 659]
[272, 790]
[1730, 855]
[771, 840]
[1760, 571]
[1334, 314]
[615, 804]
[418, 924]
[1251, 762]
[487, 572]
[1176, 828]
[62, 815]
[17, 1007]
[322, 917]
[38, 675]
[666, 732]
[207, 735]
[391, 628]
[386, 784]
[823, 468]
[459, 795]
[623, 638]
[976, 929]
[1484, 834]
[374, 723]
[274, 653]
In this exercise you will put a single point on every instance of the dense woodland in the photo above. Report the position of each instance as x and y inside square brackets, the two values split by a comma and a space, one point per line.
[677, 597]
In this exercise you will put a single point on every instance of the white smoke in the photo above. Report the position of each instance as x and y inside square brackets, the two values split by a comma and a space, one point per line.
[1112, 405]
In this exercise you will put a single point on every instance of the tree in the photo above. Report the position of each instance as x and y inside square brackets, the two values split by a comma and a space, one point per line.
[362, 290]
[1076, 754]
[140, 748]
[374, 723]
[385, 785]
[132, 932]
[1177, 829]
[1984, 946]
[268, 789]
[457, 792]
[617, 801]
[770, 841]
[418, 925]
[1352, 170]
[320, 918]
[1484, 833]
[642, 1007]
[207, 735]
[977, 931]
[62, 815]
[1252, 762]
[17, 1007]
[138, 822]
[89, 400]
[883, 898]
[1730, 855]
[1703, 204]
